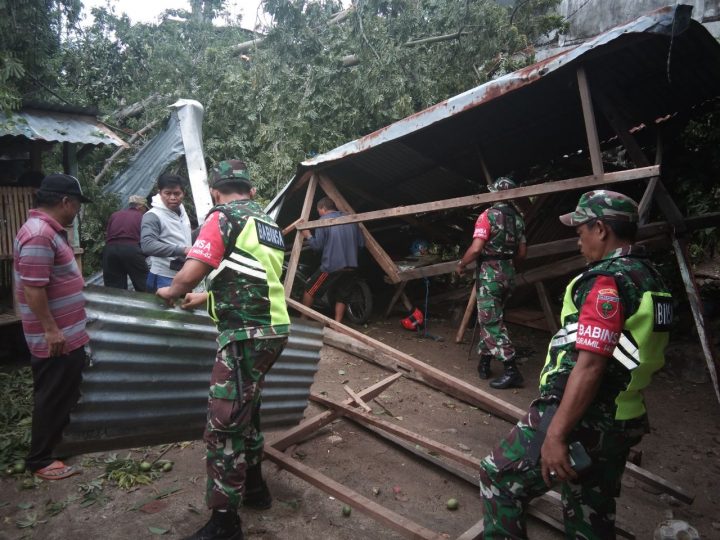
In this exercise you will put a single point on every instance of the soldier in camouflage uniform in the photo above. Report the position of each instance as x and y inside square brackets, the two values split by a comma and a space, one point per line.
[240, 250]
[498, 239]
[616, 317]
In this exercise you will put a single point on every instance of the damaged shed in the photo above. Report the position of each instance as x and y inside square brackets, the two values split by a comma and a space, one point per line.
[555, 127]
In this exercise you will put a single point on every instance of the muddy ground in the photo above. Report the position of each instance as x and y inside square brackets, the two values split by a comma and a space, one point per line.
[684, 447]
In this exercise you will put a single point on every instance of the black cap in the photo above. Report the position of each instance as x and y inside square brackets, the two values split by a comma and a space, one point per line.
[64, 184]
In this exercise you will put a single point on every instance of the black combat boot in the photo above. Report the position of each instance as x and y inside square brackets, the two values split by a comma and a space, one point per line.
[222, 526]
[484, 366]
[257, 494]
[510, 379]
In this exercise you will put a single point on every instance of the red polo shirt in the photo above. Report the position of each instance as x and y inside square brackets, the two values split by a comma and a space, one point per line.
[44, 258]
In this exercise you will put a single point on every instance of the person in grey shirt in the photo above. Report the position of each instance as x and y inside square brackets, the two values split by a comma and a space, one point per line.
[339, 245]
[165, 234]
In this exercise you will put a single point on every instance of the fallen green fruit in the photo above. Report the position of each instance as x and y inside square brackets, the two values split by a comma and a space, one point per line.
[167, 467]
[18, 467]
[346, 510]
[453, 504]
[145, 466]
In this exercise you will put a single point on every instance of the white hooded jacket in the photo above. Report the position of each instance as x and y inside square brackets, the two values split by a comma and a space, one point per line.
[164, 235]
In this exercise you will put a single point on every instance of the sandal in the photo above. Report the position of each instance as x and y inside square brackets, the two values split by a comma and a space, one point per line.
[57, 470]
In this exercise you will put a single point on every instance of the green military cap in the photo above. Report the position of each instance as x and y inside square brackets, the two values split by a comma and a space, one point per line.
[501, 184]
[231, 171]
[602, 204]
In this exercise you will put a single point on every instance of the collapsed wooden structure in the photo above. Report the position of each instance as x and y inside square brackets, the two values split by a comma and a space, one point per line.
[633, 87]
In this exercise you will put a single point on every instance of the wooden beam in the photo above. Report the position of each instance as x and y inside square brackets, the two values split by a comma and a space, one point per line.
[693, 294]
[290, 228]
[357, 399]
[372, 245]
[547, 308]
[404, 526]
[465, 392]
[485, 198]
[647, 198]
[435, 377]
[306, 427]
[442, 449]
[297, 245]
[399, 288]
[590, 125]
[568, 245]
[466, 316]
[551, 497]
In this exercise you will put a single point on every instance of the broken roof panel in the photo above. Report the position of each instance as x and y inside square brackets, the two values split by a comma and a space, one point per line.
[57, 126]
[530, 117]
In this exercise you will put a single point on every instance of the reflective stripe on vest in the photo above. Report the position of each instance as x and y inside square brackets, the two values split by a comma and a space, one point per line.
[256, 261]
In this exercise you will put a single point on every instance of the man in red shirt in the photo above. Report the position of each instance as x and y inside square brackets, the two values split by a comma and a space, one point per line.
[48, 287]
[122, 256]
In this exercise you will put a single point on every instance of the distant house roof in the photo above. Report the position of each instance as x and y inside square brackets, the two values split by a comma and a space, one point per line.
[659, 65]
[57, 124]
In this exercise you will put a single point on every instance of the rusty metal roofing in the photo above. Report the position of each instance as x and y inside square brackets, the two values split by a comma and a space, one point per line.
[148, 382]
[663, 64]
[57, 126]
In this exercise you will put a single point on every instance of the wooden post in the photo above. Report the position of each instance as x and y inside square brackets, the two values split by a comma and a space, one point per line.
[646, 201]
[547, 308]
[466, 316]
[372, 245]
[297, 245]
[590, 126]
[399, 288]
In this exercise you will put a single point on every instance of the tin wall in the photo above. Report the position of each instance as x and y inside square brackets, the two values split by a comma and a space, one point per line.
[148, 380]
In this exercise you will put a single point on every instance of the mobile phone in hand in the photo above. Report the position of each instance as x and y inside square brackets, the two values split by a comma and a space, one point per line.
[579, 458]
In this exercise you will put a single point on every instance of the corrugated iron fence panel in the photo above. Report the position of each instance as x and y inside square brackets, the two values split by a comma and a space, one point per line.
[150, 371]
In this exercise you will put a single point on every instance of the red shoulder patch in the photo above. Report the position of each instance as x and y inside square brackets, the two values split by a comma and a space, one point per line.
[607, 303]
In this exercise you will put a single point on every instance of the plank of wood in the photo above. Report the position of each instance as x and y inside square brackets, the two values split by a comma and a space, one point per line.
[590, 124]
[372, 245]
[466, 315]
[558, 186]
[401, 524]
[565, 246]
[405, 362]
[399, 288]
[551, 497]
[306, 427]
[442, 449]
[297, 245]
[357, 399]
[456, 388]
[473, 533]
[552, 323]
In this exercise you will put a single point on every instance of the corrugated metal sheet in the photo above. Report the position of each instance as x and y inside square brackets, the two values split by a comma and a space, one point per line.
[146, 166]
[56, 126]
[148, 382]
[526, 120]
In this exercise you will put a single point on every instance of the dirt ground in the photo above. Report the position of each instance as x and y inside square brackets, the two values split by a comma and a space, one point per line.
[683, 447]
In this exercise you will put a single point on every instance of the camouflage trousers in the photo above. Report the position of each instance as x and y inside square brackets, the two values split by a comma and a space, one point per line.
[232, 434]
[510, 477]
[494, 339]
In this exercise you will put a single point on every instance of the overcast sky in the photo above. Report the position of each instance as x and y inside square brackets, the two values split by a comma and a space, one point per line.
[149, 10]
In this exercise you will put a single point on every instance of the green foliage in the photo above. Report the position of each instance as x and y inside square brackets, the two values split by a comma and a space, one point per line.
[15, 415]
[31, 33]
[127, 473]
[93, 222]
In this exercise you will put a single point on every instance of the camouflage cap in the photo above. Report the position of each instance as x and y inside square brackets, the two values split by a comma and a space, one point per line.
[231, 171]
[602, 204]
[501, 184]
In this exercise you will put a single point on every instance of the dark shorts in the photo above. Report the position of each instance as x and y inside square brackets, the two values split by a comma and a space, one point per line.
[338, 283]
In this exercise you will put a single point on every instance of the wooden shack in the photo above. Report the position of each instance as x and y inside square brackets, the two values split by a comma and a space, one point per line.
[595, 116]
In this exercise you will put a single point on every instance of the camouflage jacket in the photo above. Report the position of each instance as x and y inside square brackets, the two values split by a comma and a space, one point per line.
[503, 229]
